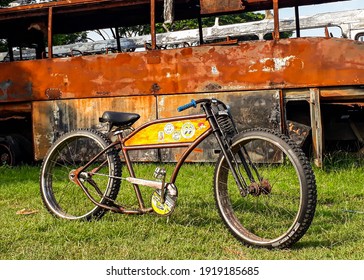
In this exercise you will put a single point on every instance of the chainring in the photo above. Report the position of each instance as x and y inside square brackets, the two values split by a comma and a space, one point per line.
[166, 208]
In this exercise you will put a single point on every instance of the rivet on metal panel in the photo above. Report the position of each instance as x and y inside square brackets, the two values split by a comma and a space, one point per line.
[155, 88]
[53, 93]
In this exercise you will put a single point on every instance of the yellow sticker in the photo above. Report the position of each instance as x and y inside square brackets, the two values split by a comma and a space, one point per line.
[181, 131]
[159, 207]
[188, 130]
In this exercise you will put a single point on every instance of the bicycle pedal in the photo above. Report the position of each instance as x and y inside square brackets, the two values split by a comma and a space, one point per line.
[164, 208]
[159, 173]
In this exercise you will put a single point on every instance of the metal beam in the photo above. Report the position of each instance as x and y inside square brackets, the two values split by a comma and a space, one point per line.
[50, 32]
[316, 125]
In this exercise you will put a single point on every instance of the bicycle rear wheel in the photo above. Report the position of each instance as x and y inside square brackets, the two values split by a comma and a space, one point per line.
[281, 199]
[64, 198]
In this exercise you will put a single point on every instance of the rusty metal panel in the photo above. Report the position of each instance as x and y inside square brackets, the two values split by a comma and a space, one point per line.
[316, 124]
[340, 94]
[220, 6]
[15, 108]
[250, 109]
[53, 118]
[223, 6]
[291, 63]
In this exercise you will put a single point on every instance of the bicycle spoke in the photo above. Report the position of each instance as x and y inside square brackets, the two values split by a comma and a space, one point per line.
[64, 197]
[270, 215]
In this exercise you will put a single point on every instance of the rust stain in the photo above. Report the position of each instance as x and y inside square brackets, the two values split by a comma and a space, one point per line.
[294, 63]
[53, 93]
[218, 6]
[64, 115]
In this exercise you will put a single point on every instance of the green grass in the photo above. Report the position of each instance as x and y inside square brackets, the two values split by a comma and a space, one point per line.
[194, 231]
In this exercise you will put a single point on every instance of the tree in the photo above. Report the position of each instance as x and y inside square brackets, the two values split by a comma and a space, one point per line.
[4, 3]
[3, 44]
[193, 24]
[59, 39]
[189, 24]
[65, 39]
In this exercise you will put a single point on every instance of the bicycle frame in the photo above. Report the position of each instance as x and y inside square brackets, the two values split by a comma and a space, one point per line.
[175, 132]
[236, 175]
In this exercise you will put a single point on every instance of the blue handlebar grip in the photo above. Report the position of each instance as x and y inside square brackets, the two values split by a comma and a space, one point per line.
[186, 106]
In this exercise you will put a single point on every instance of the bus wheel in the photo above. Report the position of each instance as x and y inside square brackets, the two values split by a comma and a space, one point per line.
[9, 151]
[6, 156]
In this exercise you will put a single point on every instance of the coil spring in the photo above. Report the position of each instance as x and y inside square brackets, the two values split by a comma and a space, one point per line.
[226, 124]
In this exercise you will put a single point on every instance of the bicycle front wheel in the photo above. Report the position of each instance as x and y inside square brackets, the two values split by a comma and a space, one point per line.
[60, 194]
[280, 201]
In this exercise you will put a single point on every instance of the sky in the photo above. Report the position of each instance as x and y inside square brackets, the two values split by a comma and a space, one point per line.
[329, 7]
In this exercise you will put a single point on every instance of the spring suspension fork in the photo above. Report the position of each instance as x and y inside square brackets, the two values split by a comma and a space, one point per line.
[226, 125]
[242, 153]
[228, 154]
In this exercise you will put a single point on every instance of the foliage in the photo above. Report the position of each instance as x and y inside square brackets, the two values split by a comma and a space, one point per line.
[3, 45]
[193, 24]
[189, 24]
[65, 39]
[4, 3]
[133, 31]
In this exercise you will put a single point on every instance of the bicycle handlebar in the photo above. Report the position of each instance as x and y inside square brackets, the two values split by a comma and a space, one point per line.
[194, 103]
[186, 106]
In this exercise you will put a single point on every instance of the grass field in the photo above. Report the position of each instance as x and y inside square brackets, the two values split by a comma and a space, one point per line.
[193, 232]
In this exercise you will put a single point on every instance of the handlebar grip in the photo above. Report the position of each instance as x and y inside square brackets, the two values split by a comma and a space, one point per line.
[186, 106]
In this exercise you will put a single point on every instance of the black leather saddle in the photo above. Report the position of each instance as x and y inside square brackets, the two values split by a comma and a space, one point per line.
[119, 118]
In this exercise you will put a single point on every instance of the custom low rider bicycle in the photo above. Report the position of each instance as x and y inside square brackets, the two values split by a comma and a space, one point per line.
[264, 186]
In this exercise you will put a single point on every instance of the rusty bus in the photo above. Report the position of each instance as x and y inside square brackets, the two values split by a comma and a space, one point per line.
[310, 88]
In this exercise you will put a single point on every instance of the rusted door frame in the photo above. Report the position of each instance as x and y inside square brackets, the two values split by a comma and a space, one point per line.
[316, 125]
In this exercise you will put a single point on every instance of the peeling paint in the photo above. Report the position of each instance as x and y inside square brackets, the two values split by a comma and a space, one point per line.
[214, 70]
[276, 63]
[4, 89]
[100, 80]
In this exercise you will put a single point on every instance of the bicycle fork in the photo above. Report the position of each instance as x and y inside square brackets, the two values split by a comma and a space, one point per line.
[224, 142]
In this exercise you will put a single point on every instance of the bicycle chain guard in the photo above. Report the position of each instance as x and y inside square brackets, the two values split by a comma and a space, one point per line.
[164, 208]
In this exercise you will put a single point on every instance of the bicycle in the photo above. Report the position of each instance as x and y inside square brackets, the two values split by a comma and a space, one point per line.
[264, 186]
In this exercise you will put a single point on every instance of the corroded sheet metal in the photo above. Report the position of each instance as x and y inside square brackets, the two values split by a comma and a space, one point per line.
[340, 94]
[220, 6]
[223, 6]
[53, 118]
[293, 63]
[316, 124]
[10, 109]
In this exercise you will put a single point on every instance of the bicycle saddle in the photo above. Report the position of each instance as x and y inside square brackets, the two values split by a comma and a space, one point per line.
[119, 118]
